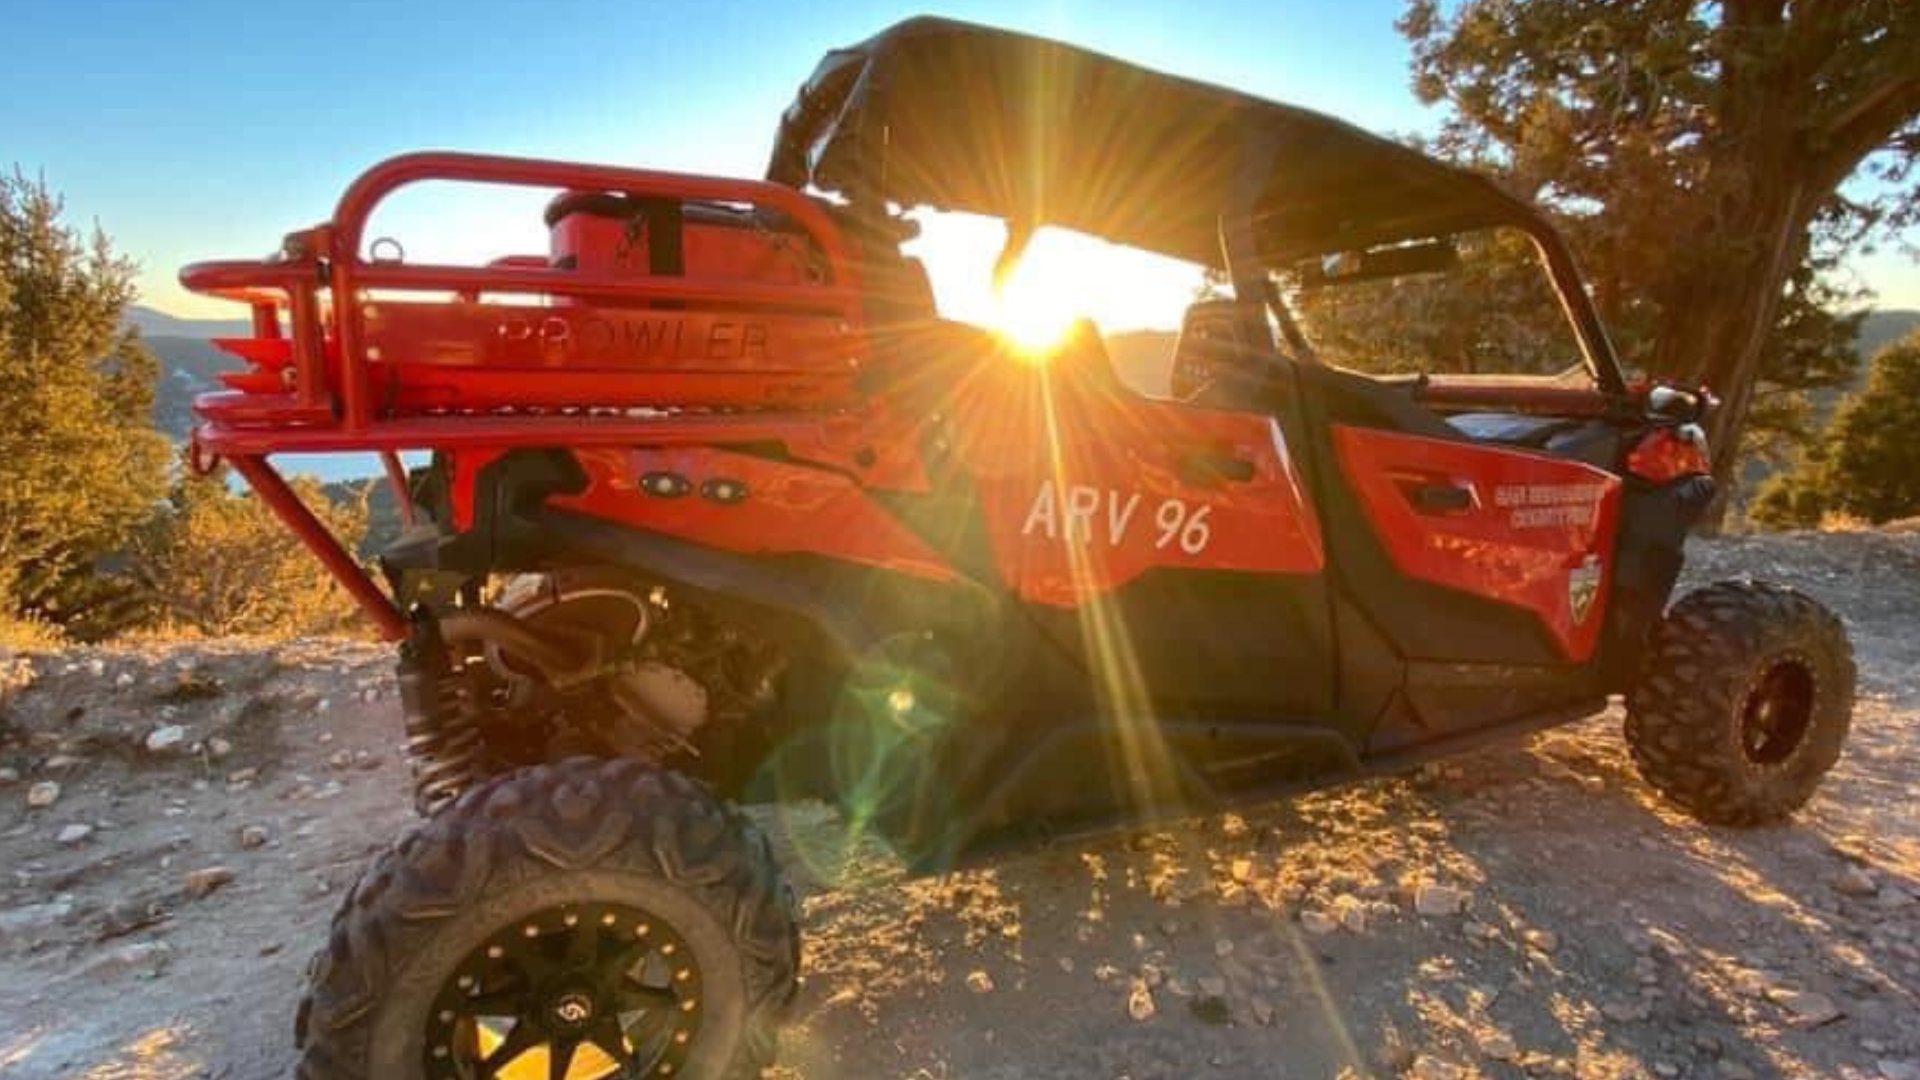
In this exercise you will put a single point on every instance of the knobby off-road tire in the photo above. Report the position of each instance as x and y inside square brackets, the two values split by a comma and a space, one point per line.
[1742, 703]
[550, 850]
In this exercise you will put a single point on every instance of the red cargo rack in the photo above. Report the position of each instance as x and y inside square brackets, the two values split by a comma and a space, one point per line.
[382, 356]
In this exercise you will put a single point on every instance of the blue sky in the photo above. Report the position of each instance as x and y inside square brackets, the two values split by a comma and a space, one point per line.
[207, 129]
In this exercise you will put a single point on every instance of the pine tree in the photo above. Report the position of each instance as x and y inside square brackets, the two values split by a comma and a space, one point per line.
[83, 468]
[218, 562]
[1867, 465]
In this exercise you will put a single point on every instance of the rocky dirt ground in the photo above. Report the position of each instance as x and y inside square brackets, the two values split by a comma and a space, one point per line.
[178, 822]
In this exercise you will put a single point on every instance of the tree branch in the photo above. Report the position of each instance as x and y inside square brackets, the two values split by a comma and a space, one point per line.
[1866, 126]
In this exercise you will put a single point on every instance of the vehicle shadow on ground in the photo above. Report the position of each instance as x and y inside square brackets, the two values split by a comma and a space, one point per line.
[1603, 935]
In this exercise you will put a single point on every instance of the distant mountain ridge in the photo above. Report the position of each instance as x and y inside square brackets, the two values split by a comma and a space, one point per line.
[153, 323]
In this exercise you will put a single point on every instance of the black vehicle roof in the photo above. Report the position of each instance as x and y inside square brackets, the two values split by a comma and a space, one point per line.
[934, 112]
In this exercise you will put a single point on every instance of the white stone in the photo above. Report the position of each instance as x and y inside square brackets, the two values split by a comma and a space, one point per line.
[1439, 900]
[165, 738]
[980, 982]
[74, 834]
[43, 794]
[1897, 1070]
[218, 748]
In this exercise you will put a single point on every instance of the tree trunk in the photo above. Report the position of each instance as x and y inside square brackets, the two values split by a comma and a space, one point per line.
[1714, 327]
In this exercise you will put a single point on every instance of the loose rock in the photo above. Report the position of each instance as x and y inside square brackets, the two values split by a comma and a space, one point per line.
[1498, 1045]
[1140, 1002]
[1897, 1070]
[1806, 1009]
[1432, 1068]
[74, 834]
[206, 880]
[1439, 900]
[1318, 922]
[165, 738]
[1853, 881]
[148, 958]
[253, 836]
[980, 982]
[43, 794]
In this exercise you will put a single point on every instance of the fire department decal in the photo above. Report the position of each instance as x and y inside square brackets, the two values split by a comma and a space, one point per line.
[1078, 513]
[1583, 585]
[1549, 506]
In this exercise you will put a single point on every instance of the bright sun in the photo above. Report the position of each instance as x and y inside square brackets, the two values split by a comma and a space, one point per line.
[1063, 276]
[1036, 306]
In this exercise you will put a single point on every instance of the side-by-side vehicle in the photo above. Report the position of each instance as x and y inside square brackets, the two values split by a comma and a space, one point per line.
[717, 507]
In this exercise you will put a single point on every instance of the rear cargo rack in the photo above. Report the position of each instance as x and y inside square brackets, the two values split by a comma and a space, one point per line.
[337, 304]
[350, 352]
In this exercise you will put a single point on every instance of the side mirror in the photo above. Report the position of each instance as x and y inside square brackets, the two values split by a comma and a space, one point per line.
[1672, 403]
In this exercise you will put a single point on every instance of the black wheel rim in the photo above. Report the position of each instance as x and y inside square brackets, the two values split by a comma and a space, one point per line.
[582, 992]
[1777, 714]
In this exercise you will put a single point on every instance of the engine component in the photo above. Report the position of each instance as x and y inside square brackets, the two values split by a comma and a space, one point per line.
[652, 673]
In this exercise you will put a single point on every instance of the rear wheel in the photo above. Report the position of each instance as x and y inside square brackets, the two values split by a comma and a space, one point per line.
[564, 922]
[1743, 702]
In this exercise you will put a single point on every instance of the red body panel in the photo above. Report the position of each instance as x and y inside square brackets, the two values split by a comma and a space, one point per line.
[786, 508]
[1085, 487]
[486, 356]
[1532, 531]
[1665, 455]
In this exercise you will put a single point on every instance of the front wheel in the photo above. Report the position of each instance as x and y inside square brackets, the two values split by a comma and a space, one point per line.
[1743, 701]
[586, 919]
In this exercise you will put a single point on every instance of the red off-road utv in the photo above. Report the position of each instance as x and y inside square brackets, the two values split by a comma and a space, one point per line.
[720, 508]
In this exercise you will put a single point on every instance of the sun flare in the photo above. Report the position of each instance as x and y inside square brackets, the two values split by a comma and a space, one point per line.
[1063, 277]
[1034, 309]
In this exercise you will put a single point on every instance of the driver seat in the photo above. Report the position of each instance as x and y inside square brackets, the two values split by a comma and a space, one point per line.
[1217, 338]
